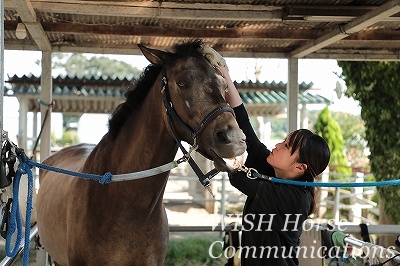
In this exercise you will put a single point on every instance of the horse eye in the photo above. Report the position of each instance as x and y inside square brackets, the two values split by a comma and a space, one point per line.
[181, 84]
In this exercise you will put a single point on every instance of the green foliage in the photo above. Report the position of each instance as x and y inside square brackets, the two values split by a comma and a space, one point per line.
[193, 251]
[80, 65]
[376, 86]
[329, 129]
[353, 132]
[278, 128]
[70, 120]
[68, 138]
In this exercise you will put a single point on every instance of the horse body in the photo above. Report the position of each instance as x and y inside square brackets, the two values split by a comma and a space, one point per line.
[82, 222]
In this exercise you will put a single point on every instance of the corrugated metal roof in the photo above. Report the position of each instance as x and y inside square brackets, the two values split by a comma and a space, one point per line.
[334, 29]
[93, 94]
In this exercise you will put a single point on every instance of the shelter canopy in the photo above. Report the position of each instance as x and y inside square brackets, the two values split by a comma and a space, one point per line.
[334, 29]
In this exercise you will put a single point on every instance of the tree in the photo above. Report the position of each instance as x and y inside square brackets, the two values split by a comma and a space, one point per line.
[80, 65]
[329, 129]
[376, 86]
[353, 132]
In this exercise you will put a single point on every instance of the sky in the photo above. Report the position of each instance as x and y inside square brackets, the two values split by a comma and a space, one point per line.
[320, 72]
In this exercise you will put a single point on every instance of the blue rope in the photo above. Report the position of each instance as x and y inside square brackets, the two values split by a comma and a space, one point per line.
[102, 179]
[15, 223]
[332, 184]
[107, 177]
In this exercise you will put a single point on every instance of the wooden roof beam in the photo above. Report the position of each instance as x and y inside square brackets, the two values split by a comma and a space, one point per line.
[162, 10]
[28, 16]
[226, 33]
[360, 23]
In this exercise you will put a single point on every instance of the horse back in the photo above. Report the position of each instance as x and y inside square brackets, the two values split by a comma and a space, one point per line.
[70, 158]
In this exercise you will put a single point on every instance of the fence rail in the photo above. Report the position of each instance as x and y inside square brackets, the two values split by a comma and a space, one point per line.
[223, 189]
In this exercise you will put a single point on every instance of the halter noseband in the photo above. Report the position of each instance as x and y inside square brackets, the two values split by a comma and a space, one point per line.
[173, 116]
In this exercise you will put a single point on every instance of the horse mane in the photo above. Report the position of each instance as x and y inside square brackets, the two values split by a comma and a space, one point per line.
[188, 49]
[139, 90]
[134, 97]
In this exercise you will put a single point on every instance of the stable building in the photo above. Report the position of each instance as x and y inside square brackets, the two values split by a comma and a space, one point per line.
[77, 95]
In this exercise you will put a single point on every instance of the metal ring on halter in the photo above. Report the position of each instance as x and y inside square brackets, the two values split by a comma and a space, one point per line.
[194, 147]
[249, 173]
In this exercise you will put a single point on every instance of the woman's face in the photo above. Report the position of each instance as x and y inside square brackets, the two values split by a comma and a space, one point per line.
[283, 161]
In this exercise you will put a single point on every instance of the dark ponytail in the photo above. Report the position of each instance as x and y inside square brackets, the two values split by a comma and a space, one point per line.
[314, 152]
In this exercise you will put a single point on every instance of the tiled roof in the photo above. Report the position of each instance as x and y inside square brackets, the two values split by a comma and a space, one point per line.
[92, 94]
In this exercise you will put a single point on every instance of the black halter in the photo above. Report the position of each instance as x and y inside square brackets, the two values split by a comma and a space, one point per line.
[173, 116]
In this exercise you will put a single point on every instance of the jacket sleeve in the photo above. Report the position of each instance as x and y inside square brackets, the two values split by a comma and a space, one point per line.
[244, 123]
[244, 184]
[257, 152]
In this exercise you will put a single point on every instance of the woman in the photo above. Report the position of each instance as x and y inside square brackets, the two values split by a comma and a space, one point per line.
[274, 213]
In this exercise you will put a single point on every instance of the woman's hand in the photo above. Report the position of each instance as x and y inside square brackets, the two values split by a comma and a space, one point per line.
[226, 165]
[232, 96]
[218, 62]
[215, 59]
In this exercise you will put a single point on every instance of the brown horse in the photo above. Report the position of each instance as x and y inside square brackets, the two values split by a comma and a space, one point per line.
[82, 222]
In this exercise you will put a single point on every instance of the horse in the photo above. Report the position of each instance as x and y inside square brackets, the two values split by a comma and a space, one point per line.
[82, 222]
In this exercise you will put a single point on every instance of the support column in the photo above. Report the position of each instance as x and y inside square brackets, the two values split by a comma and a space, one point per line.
[303, 116]
[292, 92]
[46, 99]
[46, 84]
[34, 130]
[1, 67]
[23, 123]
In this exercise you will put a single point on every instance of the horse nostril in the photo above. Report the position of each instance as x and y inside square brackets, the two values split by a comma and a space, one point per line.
[229, 135]
[221, 136]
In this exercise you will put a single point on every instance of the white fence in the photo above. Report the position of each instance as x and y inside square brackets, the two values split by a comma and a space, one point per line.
[183, 189]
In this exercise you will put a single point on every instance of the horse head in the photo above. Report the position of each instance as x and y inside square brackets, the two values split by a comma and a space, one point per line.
[194, 97]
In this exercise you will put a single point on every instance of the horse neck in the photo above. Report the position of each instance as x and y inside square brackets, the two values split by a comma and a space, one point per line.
[143, 142]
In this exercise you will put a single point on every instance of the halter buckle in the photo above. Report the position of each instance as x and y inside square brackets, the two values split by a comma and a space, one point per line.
[182, 159]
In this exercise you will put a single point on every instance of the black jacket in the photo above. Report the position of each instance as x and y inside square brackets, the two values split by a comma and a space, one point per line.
[274, 213]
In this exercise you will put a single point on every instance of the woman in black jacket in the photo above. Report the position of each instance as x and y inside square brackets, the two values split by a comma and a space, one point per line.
[274, 213]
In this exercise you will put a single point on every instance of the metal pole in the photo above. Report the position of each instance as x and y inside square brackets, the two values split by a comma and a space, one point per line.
[9, 261]
[46, 96]
[379, 229]
[292, 94]
[353, 241]
[1, 65]
[223, 195]
[337, 204]
[359, 244]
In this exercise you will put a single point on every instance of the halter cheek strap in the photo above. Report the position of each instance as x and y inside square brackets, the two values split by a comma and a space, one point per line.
[205, 179]
[173, 116]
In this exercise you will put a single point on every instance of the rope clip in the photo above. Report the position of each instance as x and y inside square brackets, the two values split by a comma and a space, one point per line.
[21, 154]
[250, 172]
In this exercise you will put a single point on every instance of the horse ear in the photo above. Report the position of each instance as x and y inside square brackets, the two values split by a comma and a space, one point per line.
[156, 57]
